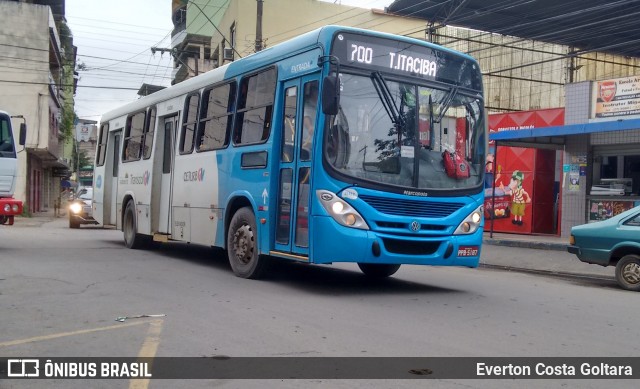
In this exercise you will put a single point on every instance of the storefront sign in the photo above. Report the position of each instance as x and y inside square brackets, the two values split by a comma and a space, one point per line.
[617, 97]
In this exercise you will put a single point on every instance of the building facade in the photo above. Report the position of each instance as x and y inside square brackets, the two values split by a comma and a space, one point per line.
[33, 86]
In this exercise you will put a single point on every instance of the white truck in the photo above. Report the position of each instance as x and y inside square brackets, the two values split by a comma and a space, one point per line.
[9, 207]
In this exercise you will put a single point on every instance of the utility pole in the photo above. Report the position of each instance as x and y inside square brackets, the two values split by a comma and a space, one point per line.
[259, 26]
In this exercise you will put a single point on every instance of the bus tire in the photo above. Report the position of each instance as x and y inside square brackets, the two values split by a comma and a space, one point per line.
[242, 245]
[378, 270]
[3, 219]
[132, 239]
[628, 272]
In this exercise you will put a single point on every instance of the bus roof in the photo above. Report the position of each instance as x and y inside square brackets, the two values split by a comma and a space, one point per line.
[317, 38]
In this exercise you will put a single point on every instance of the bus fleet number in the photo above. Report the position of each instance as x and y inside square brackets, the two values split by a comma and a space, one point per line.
[361, 54]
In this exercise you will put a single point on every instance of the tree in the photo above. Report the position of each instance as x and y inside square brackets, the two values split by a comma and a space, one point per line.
[80, 158]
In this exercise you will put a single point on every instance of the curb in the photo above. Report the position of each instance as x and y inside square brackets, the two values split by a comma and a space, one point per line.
[557, 246]
[554, 273]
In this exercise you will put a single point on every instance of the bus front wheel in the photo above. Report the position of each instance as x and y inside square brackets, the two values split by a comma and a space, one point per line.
[242, 245]
[378, 270]
[132, 239]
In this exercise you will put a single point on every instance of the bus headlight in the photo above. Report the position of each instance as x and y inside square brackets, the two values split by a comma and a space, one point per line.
[75, 207]
[15, 208]
[471, 223]
[340, 210]
[7, 208]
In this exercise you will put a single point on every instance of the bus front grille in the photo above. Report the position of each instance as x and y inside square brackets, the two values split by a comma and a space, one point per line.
[404, 227]
[413, 208]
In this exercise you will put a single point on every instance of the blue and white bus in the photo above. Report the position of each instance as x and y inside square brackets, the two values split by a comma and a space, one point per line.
[341, 145]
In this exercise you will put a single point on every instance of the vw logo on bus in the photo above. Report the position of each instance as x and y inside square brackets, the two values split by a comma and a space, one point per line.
[415, 226]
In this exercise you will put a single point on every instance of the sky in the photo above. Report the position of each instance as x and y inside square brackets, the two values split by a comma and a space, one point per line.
[114, 40]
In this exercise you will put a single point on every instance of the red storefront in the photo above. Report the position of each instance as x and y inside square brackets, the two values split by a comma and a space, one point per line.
[522, 184]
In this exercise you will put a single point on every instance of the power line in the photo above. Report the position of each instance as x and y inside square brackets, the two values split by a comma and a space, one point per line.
[67, 85]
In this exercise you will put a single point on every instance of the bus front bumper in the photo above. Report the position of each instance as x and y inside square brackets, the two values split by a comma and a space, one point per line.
[365, 246]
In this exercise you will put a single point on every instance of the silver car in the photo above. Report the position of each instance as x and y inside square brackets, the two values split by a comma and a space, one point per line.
[80, 211]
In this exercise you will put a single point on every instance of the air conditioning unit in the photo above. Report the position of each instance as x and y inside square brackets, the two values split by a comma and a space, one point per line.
[227, 54]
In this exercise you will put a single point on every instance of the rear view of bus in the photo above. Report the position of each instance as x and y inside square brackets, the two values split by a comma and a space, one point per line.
[403, 155]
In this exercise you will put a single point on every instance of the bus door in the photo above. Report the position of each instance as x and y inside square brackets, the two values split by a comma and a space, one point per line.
[294, 189]
[111, 178]
[164, 185]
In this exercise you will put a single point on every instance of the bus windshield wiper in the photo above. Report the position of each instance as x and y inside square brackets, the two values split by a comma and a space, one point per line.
[386, 97]
[446, 102]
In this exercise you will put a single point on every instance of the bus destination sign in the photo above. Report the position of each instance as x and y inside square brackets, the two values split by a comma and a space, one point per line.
[382, 54]
[405, 58]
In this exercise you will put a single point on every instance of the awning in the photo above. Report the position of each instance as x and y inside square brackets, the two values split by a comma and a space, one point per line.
[555, 137]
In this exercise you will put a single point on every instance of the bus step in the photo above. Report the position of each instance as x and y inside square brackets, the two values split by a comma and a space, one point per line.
[164, 238]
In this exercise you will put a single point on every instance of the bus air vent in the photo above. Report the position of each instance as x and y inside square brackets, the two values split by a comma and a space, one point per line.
[410, 247]
[413, 208]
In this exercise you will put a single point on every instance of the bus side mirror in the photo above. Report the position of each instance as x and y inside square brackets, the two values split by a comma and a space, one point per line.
[331, 95]
[22, 140]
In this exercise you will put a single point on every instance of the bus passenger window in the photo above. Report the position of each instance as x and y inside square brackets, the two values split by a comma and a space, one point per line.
[133, 137]
[102, 145]
[255, 106]
[148, 133]
[190, 117]
[309, 119]
[215, 117]
[289, 123]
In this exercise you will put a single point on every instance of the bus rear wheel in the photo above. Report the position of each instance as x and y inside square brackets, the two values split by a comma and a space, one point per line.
[378, 270]
[132, 239]
[242, 245]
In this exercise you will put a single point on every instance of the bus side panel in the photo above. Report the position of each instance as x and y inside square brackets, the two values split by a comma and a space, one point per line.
[98, 194]
[187, 182]
[135, 180]
[201, 177]
[109, 185]
[253, 184]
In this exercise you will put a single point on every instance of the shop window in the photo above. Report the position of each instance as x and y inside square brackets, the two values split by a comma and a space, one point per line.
[609, 167]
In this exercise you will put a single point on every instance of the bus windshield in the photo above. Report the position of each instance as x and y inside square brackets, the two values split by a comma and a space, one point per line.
[7, 149]
[405, 134]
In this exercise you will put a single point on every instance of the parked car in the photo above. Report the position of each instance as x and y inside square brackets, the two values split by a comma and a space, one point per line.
[80, 209]
[611, 242]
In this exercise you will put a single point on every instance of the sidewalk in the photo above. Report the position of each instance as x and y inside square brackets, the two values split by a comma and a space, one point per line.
[37, 219]
[541, 254]
[541, 242]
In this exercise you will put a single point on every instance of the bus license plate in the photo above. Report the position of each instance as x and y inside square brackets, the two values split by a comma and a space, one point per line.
[468, 251]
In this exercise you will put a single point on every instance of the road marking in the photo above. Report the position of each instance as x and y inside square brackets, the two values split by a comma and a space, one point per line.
[71, 333]
[148, 350]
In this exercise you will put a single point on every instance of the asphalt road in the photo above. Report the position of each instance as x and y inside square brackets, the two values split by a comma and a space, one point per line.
[61, 291]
